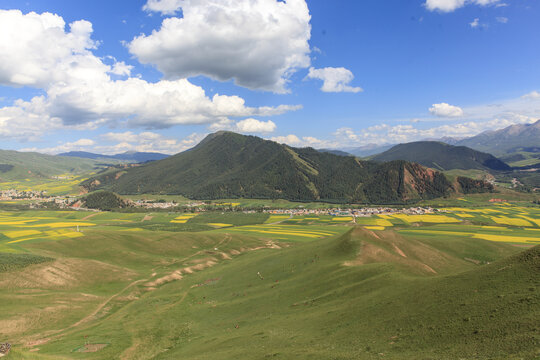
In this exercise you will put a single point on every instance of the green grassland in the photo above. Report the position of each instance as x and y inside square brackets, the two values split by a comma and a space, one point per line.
[226, 285]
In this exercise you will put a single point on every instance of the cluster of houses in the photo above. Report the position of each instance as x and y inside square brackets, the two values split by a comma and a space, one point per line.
[12, 194]
[369, 211]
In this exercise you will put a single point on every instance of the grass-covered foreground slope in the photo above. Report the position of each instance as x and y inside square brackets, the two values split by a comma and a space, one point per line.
[228, 165]
[352, 293]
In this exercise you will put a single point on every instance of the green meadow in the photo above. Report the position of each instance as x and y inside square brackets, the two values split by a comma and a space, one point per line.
[459, 284]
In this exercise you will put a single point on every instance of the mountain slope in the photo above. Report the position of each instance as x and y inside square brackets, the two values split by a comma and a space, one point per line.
[20, 165]
[229, 165]
[367, 150]
[512, 139]
[442, 156]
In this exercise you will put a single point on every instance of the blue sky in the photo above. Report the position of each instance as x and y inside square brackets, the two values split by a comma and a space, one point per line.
[160, 75]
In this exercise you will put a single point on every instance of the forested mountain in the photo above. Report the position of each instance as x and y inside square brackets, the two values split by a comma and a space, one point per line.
[229, 165]
[441, 156]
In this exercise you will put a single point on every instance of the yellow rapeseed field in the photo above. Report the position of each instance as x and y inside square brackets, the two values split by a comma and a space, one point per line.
[21, 233]
[441, 219]
[344, 218]
[375, 227]
[220, 225]
[505, 220]
[183, 218]
[535, 221]
[505, 238]
[63, 225]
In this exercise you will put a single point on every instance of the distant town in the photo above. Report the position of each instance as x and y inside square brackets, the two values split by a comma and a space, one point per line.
[40, 199]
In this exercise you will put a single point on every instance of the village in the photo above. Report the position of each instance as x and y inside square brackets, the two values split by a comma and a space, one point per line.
[39, 199]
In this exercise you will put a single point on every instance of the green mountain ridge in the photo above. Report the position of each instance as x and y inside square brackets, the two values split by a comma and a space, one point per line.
[441, 156]
[230, 165]
[15, 165]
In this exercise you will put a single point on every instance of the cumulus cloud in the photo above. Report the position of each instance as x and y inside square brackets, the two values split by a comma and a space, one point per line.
[502, 19]
[452, 5]
[248, 126]
[334, 79]
[446, 110]
[36, 50]
[305, 141]
[257, 43]
[118, 142]
[255, 126]
[531, 95]
[166, 7]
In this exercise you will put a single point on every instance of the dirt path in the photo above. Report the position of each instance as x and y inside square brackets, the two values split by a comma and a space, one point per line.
[90, 216]
[58, 333]
[147, 217]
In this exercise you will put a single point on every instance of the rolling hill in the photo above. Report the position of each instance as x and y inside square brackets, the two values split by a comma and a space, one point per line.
[441, 156]
[515, 138]
[229, 165]
[16, 165]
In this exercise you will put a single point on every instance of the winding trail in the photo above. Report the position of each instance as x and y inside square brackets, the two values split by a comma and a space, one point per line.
[90, 216]
[58, 333]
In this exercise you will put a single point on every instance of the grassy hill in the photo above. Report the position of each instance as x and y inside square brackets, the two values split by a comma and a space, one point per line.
[226, 165]
[441, 156]
[16, 165]
[360, 295]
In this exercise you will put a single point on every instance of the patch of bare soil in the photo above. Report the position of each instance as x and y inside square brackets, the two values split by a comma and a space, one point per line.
[204, 263]
[90, 216]
[63, 274]
[390, 247]
[91, 348]
[147, 218]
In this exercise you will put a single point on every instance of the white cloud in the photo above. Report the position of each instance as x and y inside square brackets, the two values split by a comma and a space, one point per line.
[118, 142]
[475, 23]
[306, 141]
[446, 110]
[334, 79]
[249, 126]
[35, 48]
[255, 126]
[531, 95]
[292, 140]
[166, 7]
[80, 92]
[502, 19]
[346, 133]
[452, 5]
[258, 43]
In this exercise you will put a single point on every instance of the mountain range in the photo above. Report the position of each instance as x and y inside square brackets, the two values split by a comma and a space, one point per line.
[441, 156]
[132, 156]
[515, 138]
[230, 165]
